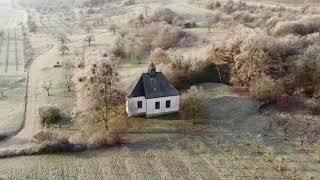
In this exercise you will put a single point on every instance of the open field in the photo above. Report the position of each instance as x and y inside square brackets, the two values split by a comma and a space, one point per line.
[12, 74]
[223, 150]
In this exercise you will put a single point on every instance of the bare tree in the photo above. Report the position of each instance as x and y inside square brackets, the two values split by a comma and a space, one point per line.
[285, 130]
[89, 39]
[212, 18]
[123, 33]
[302, 140]
[62, 39]
[63, 49]
[89, 29]
[267, 115]
[47, 85]
[259, 143]
[1, 92]
[146, 8]
[281, 163]
[113, 28]
[318, 153]
[68, 76]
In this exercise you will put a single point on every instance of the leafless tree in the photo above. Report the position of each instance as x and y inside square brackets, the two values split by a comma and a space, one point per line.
[302, 140]
[281, 163]
[212, 18]
[89, 39]
[123, 33]
[318, 153]
[113, 28]
[259, 143]
[267, 115]
[63, 49]
[285, 130]
[47, 85]
[88, 29]
[146, 7]
[68, 76]
[62, 39]
[1, 92]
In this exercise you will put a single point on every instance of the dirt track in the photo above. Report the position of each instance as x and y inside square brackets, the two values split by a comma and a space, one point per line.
[29, 125]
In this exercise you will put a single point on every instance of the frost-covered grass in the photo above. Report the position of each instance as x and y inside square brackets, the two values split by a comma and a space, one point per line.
[12, 79]
[12, 104]
[225, 149]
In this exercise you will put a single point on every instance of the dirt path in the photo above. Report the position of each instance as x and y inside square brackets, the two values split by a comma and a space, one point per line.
[29, 126]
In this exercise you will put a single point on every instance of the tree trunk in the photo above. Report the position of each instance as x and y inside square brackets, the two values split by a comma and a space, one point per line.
[219, 73]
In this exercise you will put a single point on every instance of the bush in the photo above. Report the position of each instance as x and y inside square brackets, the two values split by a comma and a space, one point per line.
[178, 21]
[159, 56]
[118, 49]
[243, 17]
[194, 103]
[163, 14]
[213, 5]
[128, 2]
[303, 26]
[49, 115]
[98, 139]
[168, 36]
[184, 72]
[315, 108]
[260, 54]
[266, 89]
[45, 136]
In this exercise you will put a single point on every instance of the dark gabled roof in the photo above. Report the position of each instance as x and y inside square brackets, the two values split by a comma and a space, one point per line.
[136, 89]
[152, 86]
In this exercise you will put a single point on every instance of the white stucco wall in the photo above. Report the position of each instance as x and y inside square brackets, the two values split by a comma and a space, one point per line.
[132, 106]
[151, 111]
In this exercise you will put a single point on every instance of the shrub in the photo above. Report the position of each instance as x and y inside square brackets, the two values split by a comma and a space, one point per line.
[118, 49]
[303, 26]
[193, 103]
[221, 55]
[128, 2]
[243, 17]
[307, 72]
[118, 126]
[266, 89]
[315, 108]
[163, 14]
[159, 56]
[260, 54]
[168, 36]
[213, 5]
[178, 21]
[49, 115]
[271, 22]
[183, 72]
[98, 138]
[45, 136]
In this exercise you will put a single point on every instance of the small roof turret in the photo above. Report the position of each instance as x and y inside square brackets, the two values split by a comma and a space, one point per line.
[152, 70]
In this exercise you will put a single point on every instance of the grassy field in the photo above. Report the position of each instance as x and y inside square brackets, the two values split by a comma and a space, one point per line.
[12, 104]
[12, 75]
[223, 149]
